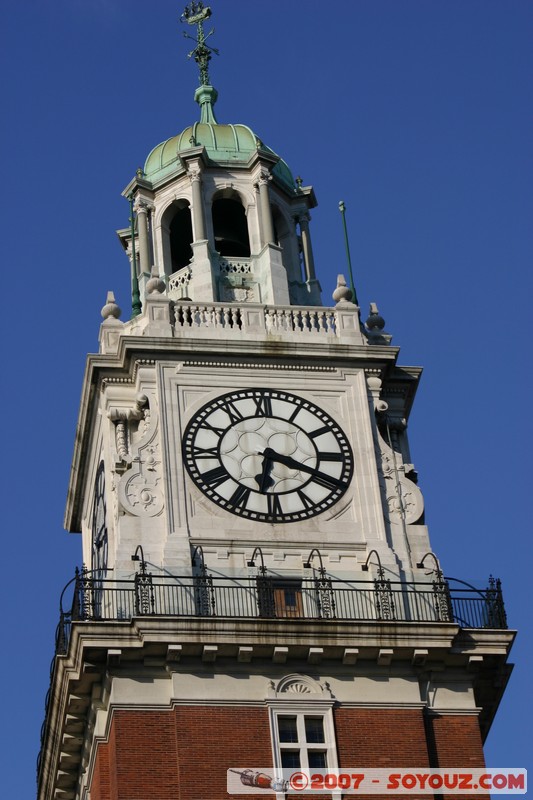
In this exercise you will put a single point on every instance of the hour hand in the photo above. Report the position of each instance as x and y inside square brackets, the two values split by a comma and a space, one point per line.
[271, 455]
[288, 461]
[264, 480]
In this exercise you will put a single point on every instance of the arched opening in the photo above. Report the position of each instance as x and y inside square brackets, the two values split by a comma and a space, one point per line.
[286, 238]
[180, 234]
[230, 228]
[281, 229]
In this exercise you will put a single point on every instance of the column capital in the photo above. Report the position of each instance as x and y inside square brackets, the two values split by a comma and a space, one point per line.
[264, 177]
[194, 173]
[142, 206]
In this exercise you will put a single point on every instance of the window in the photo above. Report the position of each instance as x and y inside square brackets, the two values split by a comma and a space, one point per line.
[301, 716]
[287, 598]
[301, 741]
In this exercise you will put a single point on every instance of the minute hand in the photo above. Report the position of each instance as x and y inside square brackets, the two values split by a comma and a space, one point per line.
[320, 477]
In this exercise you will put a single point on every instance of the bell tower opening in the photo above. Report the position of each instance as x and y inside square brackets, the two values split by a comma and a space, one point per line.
[285, 237]
[230, 227]
[180, 234]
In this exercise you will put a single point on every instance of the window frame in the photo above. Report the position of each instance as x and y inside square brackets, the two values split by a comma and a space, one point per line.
[300, 710]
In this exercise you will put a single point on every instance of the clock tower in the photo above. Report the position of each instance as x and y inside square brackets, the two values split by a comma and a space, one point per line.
[258, 588]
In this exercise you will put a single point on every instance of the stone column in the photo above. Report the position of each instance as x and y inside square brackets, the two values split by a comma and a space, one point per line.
[198, 222]
[309, 261]
[144, 242]
[264, 207]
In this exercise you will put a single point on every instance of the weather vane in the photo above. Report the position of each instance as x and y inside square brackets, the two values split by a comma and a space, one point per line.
[195, 14]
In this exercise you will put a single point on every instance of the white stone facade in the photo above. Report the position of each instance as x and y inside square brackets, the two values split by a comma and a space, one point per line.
[157, 371]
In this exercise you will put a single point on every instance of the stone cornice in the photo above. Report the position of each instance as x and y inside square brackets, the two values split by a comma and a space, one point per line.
[441, 640]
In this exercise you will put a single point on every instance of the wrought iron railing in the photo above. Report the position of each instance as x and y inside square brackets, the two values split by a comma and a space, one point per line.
[267, 598]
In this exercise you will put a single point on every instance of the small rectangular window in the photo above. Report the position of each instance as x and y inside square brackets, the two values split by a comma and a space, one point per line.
[288, 598]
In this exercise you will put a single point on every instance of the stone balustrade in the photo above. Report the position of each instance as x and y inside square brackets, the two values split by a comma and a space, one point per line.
[164, 317]
[255, 318]
[178, 283]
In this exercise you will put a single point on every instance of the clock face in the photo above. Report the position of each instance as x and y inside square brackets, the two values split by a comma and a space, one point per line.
[268, 455]
[99, 528]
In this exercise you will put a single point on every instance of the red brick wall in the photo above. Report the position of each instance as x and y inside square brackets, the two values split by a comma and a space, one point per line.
[215, 739]
[455, 741]
[100, 781]
[396, 738]
[184, 753]
[139, 760]
[380, 737]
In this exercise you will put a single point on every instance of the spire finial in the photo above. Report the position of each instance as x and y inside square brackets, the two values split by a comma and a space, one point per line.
[195, 14]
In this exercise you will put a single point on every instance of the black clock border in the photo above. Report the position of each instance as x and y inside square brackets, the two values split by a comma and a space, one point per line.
[99, 535]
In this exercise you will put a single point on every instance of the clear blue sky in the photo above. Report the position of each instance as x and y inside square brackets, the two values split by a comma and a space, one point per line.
[417, 114]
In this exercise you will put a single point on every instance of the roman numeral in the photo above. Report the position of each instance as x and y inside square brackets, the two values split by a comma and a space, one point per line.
[306, 501]
[214, 477]
[274, 505]
[327, 481]
[263, 406]
[330, 457]
[319, 432]
[294, 414]
[207, 426]
[204, 452]
[232, 411]
[239, 498]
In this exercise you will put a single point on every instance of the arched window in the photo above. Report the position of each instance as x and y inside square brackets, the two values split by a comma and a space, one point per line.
[286, 238]
[281, 229]
[180, 231]
[230, 228]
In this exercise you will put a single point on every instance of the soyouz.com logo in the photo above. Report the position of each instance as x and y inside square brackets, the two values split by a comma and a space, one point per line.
[249, 780]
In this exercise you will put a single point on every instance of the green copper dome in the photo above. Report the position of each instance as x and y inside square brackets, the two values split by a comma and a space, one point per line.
[224, 144]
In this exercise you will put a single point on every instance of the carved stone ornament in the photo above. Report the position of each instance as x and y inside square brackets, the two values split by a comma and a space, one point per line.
[123, 416]
[194, 174]
[139, 490]
[237, 294]
[111, 310]
[402, 495]
[142, 206]
[264, 178]
[294, 686]
[375, 385]
[343, 293]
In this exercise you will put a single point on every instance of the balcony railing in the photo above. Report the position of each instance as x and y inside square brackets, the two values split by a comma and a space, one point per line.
[265, 598]
[307, 320]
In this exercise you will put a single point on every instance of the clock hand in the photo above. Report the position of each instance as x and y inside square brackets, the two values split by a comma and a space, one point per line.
[322, 477]
[264, 480]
